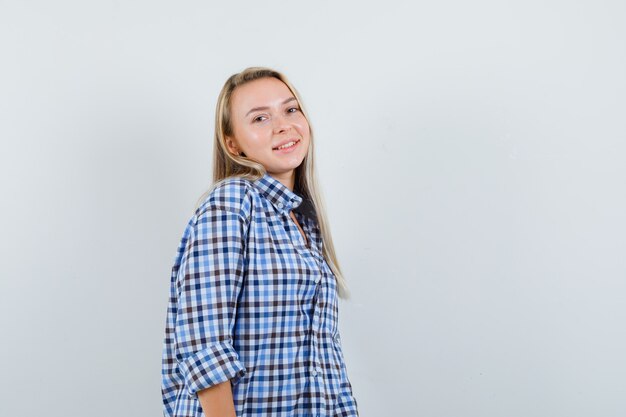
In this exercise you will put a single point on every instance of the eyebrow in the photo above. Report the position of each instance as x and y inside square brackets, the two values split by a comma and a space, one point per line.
[265, 107]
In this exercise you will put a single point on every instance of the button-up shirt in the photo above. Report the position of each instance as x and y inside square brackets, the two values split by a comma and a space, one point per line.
[252, 302]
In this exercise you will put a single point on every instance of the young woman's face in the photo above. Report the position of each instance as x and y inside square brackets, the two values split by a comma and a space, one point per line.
[265, 115]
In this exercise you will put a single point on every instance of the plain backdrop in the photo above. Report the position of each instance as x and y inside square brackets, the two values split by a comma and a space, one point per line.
[472, 156]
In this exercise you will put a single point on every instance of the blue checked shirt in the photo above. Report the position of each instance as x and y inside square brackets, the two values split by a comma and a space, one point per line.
[252, 303]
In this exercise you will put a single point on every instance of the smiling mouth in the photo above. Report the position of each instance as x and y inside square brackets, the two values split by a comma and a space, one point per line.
[287, 145]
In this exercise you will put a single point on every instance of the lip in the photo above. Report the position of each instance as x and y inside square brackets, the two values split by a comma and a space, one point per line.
[284, 142]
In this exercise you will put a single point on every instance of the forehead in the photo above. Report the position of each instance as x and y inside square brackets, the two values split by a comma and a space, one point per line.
[262, 92]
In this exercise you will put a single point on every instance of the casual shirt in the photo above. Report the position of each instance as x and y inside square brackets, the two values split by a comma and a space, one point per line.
[251, 302]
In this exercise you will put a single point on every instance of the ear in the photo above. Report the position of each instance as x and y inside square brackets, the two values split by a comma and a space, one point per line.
[232, 145]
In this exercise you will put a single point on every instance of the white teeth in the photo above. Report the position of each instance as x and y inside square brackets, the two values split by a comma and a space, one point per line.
[286, 145]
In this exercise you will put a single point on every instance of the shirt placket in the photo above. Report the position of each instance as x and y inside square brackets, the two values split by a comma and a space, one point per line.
[315, 371]
[317, 375]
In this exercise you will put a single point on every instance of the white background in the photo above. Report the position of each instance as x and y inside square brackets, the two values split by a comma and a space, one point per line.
[471, 155]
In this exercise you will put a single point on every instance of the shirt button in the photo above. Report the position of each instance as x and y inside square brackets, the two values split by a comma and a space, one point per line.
[280, 205]
[314, 372]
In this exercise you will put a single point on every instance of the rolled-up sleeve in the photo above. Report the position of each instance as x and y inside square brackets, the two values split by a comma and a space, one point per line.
[207, 289]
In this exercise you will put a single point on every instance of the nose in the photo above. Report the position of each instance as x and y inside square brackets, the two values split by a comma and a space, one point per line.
[280, 124]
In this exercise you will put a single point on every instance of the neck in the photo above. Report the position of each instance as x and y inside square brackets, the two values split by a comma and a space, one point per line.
[286, 178]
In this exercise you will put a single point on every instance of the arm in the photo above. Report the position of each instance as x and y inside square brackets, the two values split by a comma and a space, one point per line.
[217, 401]
[208, 289]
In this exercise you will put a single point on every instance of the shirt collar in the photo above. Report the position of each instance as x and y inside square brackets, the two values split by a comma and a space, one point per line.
[277, 193]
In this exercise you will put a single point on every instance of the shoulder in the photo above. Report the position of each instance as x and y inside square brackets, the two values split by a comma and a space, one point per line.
[232, 194]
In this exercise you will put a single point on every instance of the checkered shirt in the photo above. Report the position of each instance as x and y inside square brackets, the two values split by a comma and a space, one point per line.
[250, 302]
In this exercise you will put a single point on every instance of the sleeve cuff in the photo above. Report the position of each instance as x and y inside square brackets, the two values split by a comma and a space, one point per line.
[216, 364]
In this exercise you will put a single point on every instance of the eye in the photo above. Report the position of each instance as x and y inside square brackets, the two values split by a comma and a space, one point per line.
[295, 109]
[256, 119]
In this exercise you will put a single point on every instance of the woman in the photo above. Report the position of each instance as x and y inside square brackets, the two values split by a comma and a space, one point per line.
[252, 316]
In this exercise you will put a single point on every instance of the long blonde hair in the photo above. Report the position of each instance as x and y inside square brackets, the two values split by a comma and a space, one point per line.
[226, 165]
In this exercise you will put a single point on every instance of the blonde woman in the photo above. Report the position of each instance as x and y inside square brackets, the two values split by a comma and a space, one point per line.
[252, 317]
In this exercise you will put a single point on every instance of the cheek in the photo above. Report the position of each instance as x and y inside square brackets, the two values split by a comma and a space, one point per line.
[303, 125]
[254, 135]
